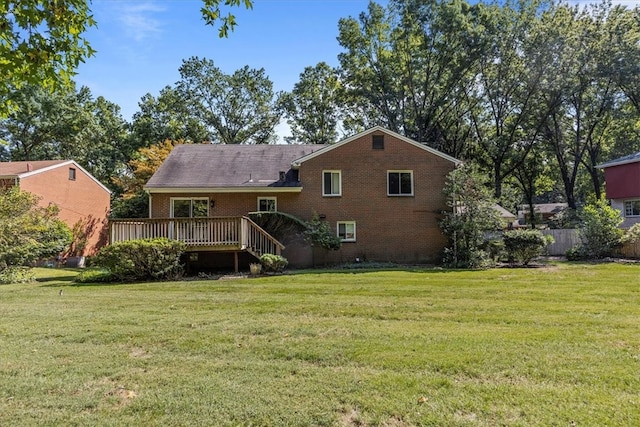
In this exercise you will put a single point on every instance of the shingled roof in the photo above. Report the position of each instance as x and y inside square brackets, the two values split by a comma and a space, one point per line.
[206, 167]
[631, 158]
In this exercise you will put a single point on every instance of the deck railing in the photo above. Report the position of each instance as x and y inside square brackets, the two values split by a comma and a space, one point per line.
[218, 233]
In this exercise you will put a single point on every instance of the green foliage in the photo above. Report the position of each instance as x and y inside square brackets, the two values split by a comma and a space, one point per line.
[273, 263]
[212, 14]
[471, 218]
[29, 232]
[94, 275]
[600, 231]
[632, 234]
[142, 259]
[41, 42]
[16, 275]
[240, 108]
[278, 224]
[313, 106]
[525, 245]
[319, 233]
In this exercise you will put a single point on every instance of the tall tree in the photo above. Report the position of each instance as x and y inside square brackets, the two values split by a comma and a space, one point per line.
[406, 66]
[240, 108]
[580, 91]
[41, 42]
[312, 107]
[506, 118]
[165, 117]
[67, 125]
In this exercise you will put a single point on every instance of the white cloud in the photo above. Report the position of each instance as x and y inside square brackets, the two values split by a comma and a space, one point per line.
[138, 20]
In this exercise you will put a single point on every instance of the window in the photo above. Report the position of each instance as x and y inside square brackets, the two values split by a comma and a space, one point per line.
[267, 204]
[189, 208]
[400, 183]
[632, 208]
[347, 231]
[72, 174]
[377, 142]
[331, 183]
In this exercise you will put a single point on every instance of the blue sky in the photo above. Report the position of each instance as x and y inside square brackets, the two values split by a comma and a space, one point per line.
[141, 44]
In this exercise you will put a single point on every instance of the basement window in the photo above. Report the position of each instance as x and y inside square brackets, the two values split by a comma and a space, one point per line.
[347, 231]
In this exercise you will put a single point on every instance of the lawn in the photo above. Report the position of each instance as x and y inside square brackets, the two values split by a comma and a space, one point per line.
[558, 345]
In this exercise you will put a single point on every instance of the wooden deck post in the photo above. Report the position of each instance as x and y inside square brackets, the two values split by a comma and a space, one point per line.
[235, 261]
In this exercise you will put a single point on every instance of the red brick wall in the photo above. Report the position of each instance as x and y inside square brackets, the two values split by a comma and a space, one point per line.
[80, 201]
[388, 228]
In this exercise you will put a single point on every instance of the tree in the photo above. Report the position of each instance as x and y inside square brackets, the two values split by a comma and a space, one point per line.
[240, 108]
[41, 42]
[600, 231]
[29, 232]
[506, 119]
[165, 117]
[67, 125]
[407, 68]
[471, 217]
[313, 106]
[579, 91]
[134, 202]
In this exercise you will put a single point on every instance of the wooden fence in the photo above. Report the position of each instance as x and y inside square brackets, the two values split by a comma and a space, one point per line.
[565, 239]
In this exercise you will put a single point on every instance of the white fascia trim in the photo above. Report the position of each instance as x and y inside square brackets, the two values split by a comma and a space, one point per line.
[223, 190]
[59, 165]
[296, 163]
[612, 164]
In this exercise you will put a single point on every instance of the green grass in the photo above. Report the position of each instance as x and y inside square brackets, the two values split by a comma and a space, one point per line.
[558, 345]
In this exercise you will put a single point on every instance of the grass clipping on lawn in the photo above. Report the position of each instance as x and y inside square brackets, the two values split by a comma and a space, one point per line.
[549, 346]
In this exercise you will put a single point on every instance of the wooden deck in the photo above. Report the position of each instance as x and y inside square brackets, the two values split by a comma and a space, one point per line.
[222, 234]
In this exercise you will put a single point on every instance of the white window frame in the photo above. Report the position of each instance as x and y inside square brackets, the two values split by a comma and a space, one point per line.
[628, 208]
[339, 190]
[173, 199]
[268, 199]
[344, 238]
[410, 172]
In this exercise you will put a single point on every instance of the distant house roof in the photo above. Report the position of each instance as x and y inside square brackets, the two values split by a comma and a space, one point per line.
[229, 167]
[504, 214]
[25, 169]
[631, 158]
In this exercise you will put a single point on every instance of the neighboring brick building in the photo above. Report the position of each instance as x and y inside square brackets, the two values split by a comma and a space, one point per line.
[83, 201]
[382, 193]
[622, 180]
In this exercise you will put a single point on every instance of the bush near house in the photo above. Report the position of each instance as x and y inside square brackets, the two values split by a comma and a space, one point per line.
[273, 263]
[525, 245]
[141, 259]
[600, 232]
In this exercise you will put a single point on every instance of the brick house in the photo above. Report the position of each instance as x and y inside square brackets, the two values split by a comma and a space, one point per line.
[380, 192]
[83, 201]
[622, 181]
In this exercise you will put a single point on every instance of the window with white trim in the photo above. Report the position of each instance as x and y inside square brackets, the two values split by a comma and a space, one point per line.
[331, 183]
[346, 231]
[267, 204]
[632, 208]
[183, 207]
[399, 183]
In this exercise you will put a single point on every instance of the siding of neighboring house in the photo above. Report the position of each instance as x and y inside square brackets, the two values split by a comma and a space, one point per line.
[623, 188]
[387, 228]
[83, 202]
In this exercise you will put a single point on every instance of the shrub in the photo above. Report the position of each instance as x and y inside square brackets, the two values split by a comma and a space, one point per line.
[319, 233]
[142, 259]
[16, 275]
[632, 235]
[273, 263]
[94, 276]
[525, 245]
[599, 230]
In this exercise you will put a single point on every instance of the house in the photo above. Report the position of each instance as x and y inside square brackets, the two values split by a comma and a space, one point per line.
[380, 192]
[83, 201]
[622, 181]
[544, 212]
